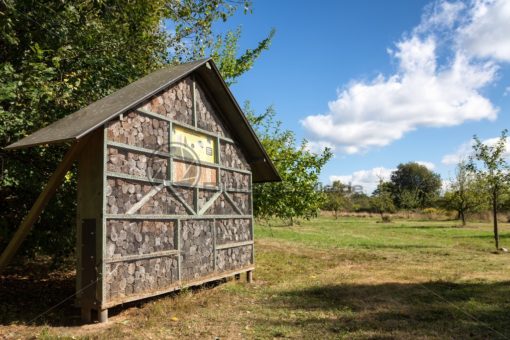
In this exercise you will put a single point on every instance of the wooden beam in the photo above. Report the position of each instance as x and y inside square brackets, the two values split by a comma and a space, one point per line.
[233, 245]
[233, 203]
[209, 203]
[39, 205]
[174, 217]
[142, 256]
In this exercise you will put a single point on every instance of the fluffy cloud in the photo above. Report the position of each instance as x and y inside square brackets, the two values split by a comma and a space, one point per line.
[428, 165]
[319, 146]
[368, 179]
[465, 150]
[423, 92]
[487, 34]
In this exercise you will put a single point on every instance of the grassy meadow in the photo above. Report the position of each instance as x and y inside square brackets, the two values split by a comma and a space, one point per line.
[351, 278]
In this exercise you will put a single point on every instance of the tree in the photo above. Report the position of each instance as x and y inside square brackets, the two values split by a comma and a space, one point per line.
[360, 202]
[336, 198]
[381, 200]
[409, 200]
[464, 194]
[58, 56]
[296, 196]
[492, 169]
[415, 179]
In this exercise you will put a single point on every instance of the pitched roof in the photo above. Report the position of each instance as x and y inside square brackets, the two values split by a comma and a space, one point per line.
[89, 118]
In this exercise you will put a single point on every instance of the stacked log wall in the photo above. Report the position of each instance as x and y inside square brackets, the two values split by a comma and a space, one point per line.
[139, 178]
[197, 248]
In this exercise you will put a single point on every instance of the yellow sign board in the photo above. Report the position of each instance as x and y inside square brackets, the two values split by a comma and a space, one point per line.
[193, 145]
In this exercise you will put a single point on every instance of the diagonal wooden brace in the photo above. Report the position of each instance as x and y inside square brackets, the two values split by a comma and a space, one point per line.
[39, 205]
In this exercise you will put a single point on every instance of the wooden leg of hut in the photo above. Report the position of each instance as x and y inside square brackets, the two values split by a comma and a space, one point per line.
[249, 276]
[40, 203]
[237, 277]
[102, 315]
[86, 315]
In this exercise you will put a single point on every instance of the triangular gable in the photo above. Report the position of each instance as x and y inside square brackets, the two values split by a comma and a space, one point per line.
[138, 93]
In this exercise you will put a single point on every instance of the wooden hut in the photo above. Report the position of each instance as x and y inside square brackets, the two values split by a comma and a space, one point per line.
[165, 167]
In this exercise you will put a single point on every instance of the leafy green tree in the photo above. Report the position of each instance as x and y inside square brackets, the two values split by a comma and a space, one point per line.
[409, 200]
[416, 179]
[58, 56]
[465, 193]
[360, 202]
[382, 201]
[337, 198]
[296, 196]
[491, 167]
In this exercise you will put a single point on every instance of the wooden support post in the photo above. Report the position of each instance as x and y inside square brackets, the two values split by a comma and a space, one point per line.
[39, 205]
[249, 276]
[102, 315]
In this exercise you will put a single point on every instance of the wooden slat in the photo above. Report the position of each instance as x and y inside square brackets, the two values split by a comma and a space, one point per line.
[39, 205]
[234, 204]
[209, 203]
[183, 202]
[142, 256]
[233, 245]
[134, 178]
[173, 217]
[130, 147]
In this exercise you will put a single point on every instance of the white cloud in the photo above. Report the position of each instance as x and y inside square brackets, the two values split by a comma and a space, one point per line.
[461, 154]
[440, 15]
[368, 179]
[423, 92]
[428, 165]
[319, 146]
[507, 91]
[487, 33]
[465, 150]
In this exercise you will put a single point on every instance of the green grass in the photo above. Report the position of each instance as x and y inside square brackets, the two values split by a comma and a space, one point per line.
[333, 279]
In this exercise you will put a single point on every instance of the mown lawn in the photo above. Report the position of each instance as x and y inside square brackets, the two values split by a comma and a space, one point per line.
[347, 278]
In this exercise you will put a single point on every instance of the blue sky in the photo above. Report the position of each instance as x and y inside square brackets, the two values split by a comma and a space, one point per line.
[382, 82]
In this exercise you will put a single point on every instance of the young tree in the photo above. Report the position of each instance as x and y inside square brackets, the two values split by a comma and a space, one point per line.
[491, 167]
[464, 194]
[417, 179]
[381, 200]
[296, 196]
[337, 198]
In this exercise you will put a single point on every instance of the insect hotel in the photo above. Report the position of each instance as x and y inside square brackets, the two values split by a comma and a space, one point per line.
[165, 167]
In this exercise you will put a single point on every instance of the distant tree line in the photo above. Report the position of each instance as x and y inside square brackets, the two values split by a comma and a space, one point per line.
[481, 183]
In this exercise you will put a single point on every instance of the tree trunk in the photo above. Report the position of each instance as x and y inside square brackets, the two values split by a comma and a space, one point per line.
[463, 218]
[495, 218]
[336, 214]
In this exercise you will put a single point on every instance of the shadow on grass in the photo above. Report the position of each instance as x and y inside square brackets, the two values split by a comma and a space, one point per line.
[490, 236]
[434, 309]
[426, 227]
[31, 294]
[29, 290]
